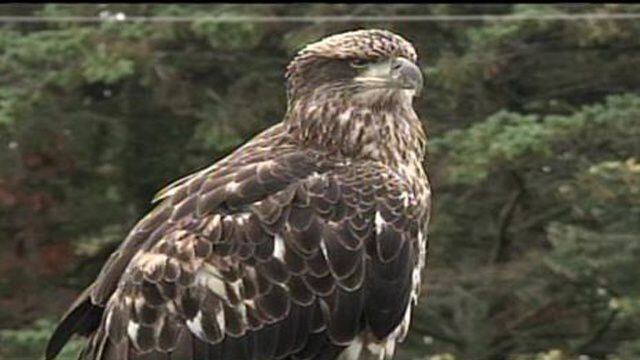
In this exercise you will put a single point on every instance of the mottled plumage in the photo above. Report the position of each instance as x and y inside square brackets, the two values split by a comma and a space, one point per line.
[305, 243]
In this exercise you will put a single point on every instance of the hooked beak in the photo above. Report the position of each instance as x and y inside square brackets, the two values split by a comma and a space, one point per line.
[397, 73]
[407, 74]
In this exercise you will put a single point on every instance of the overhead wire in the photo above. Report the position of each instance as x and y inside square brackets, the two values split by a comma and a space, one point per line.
[106, 16]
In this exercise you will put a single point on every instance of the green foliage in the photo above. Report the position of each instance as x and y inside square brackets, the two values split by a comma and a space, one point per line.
[28, 343]
[533, 154]
[512, 140]
[240, 36]
[104, 66]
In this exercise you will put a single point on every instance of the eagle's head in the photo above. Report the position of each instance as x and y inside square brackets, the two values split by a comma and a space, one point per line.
[352, 94]
[357, 66]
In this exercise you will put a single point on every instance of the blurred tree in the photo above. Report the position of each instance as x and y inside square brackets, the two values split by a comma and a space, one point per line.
[534, 156]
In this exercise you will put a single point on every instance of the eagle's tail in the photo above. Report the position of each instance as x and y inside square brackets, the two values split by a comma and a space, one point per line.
[83, 318]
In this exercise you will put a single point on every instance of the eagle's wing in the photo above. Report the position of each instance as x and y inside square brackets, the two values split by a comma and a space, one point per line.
[283, 254]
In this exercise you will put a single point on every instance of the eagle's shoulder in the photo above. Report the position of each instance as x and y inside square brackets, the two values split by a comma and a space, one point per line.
[263, 146]
[265, 164]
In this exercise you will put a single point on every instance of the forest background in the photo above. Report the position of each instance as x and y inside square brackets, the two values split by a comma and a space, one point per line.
[534, 155]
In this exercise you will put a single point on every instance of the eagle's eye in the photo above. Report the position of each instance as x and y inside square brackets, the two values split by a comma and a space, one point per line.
[359, 63]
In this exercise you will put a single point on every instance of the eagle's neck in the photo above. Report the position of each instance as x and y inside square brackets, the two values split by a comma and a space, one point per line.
[387, 130]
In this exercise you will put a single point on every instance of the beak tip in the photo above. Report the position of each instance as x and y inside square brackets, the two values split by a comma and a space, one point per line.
[411, 75]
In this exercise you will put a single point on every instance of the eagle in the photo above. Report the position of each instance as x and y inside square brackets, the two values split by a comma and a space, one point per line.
[307, 242]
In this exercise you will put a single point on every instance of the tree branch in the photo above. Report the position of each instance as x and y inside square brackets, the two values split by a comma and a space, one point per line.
[500, 251]
[598, 333]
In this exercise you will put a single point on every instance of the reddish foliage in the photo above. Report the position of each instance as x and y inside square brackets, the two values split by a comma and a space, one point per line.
[54, 258]
[7, 197]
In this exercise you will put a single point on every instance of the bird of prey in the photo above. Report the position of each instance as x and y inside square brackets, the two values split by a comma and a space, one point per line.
[307, 242]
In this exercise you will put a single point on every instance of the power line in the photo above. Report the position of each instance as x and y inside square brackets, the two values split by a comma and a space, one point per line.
[106, 16]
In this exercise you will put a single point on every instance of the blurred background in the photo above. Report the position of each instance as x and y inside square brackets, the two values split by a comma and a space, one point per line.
[533, 117]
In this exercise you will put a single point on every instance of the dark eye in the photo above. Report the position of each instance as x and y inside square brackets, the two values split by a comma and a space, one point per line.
[396, 65]
[358, 63]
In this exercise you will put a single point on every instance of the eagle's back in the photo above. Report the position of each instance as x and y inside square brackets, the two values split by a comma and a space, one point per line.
[276, 251]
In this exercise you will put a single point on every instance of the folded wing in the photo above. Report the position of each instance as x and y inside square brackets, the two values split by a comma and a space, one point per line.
[281, 255]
